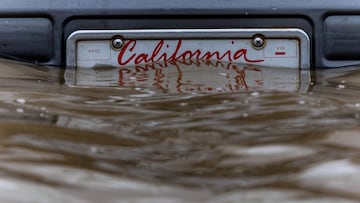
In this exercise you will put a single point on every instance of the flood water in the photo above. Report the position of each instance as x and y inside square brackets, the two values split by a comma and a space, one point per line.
[179, 133]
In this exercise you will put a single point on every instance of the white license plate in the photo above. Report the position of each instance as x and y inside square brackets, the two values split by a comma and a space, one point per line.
[287, 48]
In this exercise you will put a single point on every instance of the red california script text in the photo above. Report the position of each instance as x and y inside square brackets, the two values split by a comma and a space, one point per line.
[159, 55]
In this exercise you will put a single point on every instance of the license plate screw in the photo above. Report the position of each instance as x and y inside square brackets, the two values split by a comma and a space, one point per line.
[117, 43]
[258, 42]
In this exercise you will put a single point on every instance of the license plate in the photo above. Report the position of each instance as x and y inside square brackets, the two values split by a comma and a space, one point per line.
[287, 48]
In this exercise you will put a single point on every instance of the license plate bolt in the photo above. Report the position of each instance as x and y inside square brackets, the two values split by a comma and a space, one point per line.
[117, 43]
[258, 42]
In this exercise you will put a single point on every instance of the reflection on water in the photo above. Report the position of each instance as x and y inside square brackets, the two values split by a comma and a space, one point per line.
[116, 135]
[193, 77]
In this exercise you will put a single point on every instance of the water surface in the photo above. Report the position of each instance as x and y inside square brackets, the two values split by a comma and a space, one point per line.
[179, 133]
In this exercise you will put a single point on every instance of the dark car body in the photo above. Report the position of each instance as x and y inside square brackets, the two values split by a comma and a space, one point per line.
[36, 30]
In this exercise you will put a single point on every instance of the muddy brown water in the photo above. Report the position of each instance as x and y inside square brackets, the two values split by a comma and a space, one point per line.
[179, 133]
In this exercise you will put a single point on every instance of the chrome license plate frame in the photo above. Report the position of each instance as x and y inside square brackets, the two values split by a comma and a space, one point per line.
[282, 46]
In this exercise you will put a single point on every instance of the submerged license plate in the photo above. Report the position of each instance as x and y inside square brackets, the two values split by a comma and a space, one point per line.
[289, 48]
